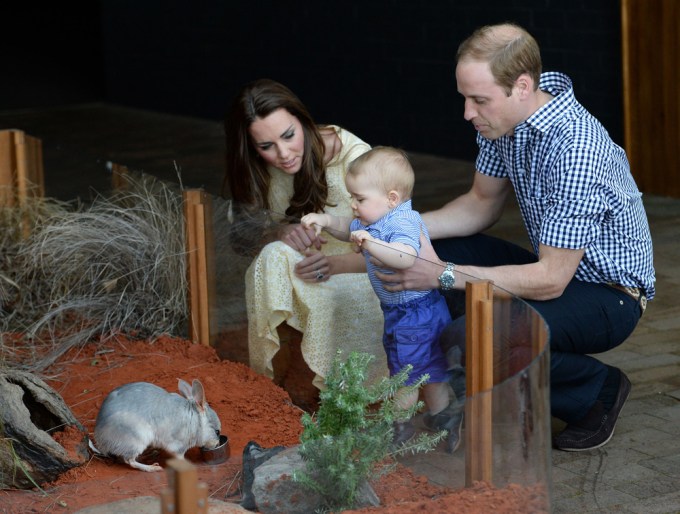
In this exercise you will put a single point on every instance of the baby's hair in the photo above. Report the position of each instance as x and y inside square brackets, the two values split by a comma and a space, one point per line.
[388, 168]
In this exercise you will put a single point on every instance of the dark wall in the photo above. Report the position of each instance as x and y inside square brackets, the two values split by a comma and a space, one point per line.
[382, 68]
[51, 54]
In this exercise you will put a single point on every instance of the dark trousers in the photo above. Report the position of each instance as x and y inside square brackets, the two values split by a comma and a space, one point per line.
[586, 319]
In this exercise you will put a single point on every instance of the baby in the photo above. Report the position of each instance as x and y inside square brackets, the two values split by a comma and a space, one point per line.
[387, 229]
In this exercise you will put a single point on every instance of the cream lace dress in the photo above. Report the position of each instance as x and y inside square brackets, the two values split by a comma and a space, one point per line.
[340, 313]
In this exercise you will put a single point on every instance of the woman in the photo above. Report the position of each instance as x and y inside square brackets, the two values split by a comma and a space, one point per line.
[279, 160]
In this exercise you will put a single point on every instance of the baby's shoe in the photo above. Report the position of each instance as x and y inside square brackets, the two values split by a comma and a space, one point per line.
[402, 433]
[451, 420]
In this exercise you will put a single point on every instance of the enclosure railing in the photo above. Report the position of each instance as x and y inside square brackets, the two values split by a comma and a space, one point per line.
[200, 266]
[21, 167]
[21, 170]
[506, 357]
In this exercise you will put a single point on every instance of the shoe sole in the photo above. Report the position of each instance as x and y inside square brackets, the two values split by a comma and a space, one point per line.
[590, 447]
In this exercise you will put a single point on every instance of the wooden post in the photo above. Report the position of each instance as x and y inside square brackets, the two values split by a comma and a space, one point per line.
[184, 494]
[502, 320]
[21, 167]
[7, 167]
[30, 175]
[21, 171]
[29, 178]
[479, 382]
[201, 266]
[119, 174]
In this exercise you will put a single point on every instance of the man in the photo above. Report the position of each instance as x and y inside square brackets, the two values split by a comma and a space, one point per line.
[590, 273]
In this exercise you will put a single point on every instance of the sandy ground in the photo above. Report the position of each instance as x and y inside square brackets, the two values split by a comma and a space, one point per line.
[249, 406]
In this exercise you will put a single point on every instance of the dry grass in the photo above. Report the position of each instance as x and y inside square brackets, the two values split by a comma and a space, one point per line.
[87, 274]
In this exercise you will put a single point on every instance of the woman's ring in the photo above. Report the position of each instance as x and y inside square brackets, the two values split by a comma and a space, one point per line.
[319, 275]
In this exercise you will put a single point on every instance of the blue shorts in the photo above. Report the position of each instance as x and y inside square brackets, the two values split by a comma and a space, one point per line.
[411, 336]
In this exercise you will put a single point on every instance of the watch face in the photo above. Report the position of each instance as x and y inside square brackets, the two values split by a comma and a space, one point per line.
[446, 280]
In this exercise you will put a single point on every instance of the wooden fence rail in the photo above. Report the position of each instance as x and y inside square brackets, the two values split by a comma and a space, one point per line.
[184, 494]
[479, 381]
[21, 167]
[201, 266]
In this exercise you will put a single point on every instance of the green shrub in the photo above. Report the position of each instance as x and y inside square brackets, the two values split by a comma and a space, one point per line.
[350, 437]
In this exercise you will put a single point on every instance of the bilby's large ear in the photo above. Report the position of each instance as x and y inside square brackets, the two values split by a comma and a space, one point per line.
[184, 389]
[199, 394]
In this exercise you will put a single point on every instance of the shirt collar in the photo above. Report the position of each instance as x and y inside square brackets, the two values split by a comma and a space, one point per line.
[560, 87]
[403, 206]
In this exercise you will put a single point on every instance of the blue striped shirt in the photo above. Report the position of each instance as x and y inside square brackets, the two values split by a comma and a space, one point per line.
[574, 188]
[401, 225]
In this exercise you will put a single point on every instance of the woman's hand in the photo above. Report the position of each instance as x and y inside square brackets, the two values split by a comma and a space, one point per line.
[315, 267]
[300, 238]
[316, 264]
[423, 275]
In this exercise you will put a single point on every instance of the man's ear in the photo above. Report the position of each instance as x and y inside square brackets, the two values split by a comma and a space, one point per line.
[524, 85]
[393, 198]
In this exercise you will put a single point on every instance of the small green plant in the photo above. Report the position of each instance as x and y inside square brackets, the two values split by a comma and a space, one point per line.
[350, 437]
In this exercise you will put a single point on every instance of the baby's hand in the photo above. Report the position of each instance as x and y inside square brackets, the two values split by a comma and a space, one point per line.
[359, 236]
[314, 221]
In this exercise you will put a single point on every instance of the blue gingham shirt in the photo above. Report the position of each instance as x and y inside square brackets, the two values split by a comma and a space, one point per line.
[574, 188]
[401, 225]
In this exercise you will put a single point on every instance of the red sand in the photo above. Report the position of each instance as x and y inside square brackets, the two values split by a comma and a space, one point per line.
[249, 406]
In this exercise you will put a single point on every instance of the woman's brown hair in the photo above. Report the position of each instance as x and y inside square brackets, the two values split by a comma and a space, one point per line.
[246, 176]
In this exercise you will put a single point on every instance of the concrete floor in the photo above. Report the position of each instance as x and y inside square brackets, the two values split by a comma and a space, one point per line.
[637, 472]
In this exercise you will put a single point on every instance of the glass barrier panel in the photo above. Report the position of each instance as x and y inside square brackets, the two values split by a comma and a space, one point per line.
[510, 421]
[517, 406]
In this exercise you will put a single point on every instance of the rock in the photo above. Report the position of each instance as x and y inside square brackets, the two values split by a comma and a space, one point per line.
[152, 505]
[30, 411]
[275, 491]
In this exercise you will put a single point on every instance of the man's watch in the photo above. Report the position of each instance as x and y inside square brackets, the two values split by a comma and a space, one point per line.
[447, 279]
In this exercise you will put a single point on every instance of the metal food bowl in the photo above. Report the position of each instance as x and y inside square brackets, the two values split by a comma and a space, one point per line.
[218, 454]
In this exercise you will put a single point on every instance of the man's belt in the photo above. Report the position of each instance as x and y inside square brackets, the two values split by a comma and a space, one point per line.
[634, 292]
